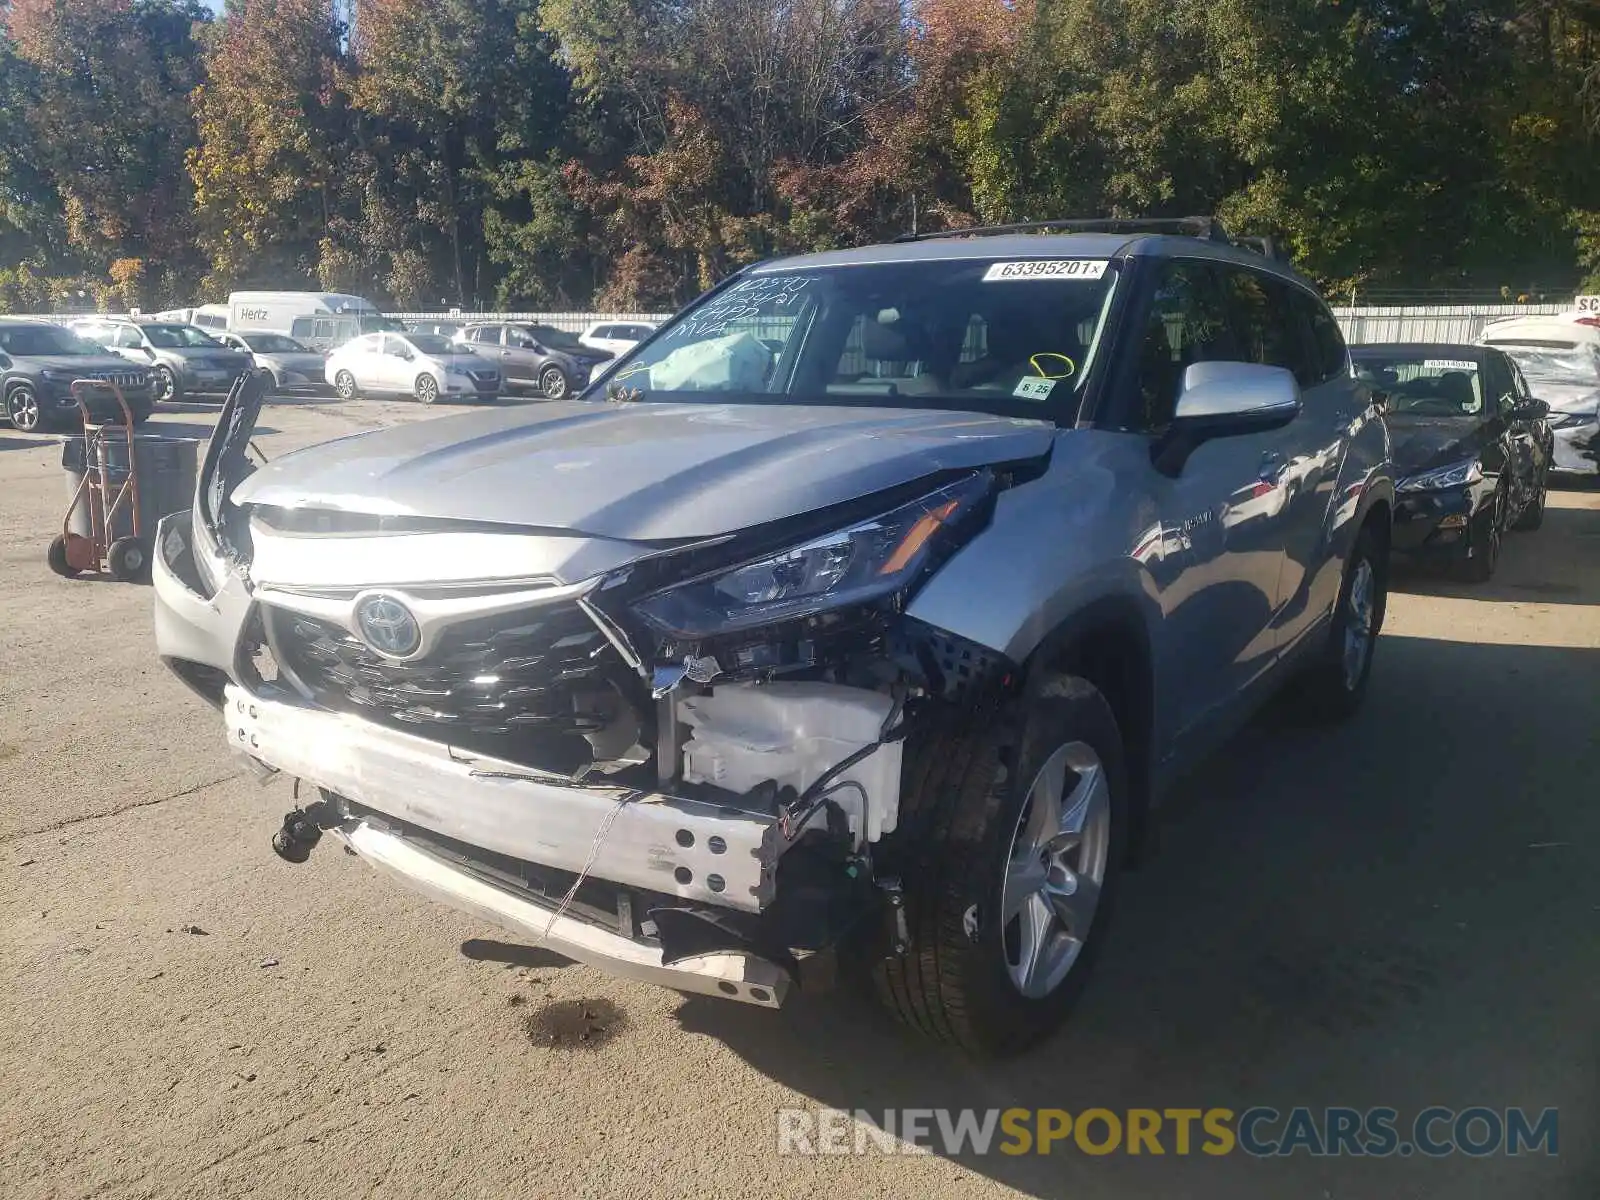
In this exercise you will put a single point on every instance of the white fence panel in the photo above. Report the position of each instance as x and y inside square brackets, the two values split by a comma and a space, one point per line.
[1459, 323]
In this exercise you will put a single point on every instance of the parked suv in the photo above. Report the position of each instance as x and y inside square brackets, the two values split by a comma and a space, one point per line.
[872, 605]
[182, 359]
[538, 356]
[40, 362]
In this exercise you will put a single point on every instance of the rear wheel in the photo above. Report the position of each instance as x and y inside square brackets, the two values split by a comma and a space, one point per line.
[1010, 843]
[426, 389]
[1333, 688]
[22, 407]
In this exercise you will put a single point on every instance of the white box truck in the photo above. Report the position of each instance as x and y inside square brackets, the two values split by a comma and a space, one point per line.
[320, 320]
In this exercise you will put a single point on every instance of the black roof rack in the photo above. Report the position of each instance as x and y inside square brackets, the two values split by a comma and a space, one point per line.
[1208, 228]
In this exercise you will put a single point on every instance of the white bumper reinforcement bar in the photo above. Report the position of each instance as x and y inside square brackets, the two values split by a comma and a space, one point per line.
[684, 848]
[729, 976]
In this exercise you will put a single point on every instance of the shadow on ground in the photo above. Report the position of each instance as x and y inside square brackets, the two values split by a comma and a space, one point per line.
[1400, 911]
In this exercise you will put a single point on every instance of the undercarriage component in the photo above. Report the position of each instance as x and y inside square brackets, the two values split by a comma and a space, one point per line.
[302, 830]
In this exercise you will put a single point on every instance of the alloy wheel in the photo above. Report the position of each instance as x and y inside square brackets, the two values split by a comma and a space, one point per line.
[553, 383]
[23, 408]
[427, 388]
[166, 385]
[345, 384]
[1359, 617]
[1056, 869]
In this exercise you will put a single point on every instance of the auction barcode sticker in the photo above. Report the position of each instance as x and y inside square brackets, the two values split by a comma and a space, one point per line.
[1047, 268]
[1449, 364]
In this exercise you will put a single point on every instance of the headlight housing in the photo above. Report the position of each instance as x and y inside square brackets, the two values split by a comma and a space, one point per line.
[1559, 419]
[1456, 475]
[864, 561]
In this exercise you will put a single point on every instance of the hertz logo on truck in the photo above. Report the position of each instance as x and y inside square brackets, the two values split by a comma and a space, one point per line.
[252, 314]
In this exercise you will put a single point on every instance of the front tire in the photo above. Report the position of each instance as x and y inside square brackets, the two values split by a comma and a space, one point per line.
[1532, 516]
[1332, 689]
[425, 389]
[1011, 840]
[167, 390]
[553, 383]
[344, 385]
[22, 407]
[1486, 539]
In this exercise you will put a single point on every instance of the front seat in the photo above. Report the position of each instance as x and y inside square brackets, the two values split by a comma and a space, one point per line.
[894, 350]
[1455, 387]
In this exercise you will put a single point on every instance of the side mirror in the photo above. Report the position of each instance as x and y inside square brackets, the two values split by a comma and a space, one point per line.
[5, 361]
[1225, 399]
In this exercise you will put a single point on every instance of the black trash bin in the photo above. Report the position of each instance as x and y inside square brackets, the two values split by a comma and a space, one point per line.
[166, 480]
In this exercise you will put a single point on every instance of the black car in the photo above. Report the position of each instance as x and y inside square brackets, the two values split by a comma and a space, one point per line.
[1472, 449]
[39, 363]
[537, 356]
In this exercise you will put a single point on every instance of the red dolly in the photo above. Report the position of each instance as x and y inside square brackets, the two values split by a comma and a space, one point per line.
[124, 558]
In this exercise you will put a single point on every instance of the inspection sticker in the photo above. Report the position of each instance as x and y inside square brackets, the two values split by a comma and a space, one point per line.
[1449, 364]
[1047, 268]
[1034, 388]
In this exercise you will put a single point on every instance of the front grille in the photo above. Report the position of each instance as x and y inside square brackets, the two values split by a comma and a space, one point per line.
[123, 379]
[485, 376]
[547, 669]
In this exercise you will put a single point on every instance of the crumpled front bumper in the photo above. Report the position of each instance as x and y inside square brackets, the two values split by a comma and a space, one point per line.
[680, 849]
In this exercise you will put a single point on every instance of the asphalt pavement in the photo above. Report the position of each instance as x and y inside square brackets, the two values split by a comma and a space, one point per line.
[1401, 912]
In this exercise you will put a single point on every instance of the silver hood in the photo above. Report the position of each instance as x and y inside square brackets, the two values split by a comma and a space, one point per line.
[637, 472]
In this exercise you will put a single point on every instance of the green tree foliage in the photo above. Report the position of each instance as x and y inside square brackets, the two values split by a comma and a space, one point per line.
[632, 152]
[273, 197]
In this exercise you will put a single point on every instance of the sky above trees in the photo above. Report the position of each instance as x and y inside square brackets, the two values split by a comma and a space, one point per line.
[629, 153]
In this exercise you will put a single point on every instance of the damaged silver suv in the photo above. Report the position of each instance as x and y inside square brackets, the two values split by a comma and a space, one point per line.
[866, 608]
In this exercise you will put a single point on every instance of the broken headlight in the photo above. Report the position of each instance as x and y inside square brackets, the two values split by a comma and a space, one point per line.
[861, 562]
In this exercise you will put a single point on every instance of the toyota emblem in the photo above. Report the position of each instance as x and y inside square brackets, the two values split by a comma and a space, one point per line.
[388, 626]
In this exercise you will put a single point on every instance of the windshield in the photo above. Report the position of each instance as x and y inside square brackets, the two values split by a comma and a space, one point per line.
[377, 323]
[1556, 362]
[1008, 338]
[273, 343]
[170, 337]
[433, 343]
[553, 338]
[23, 341]
[1424, 385]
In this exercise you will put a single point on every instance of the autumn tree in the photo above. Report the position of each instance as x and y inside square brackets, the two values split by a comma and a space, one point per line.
[274, 198]
[109, 123]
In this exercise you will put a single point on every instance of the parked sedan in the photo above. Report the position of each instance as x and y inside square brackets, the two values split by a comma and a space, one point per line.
[539, 356]
[294, 367]
[616, 337]
[1472, 450]
[39, 364]
[182, 359]
[423, 365]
